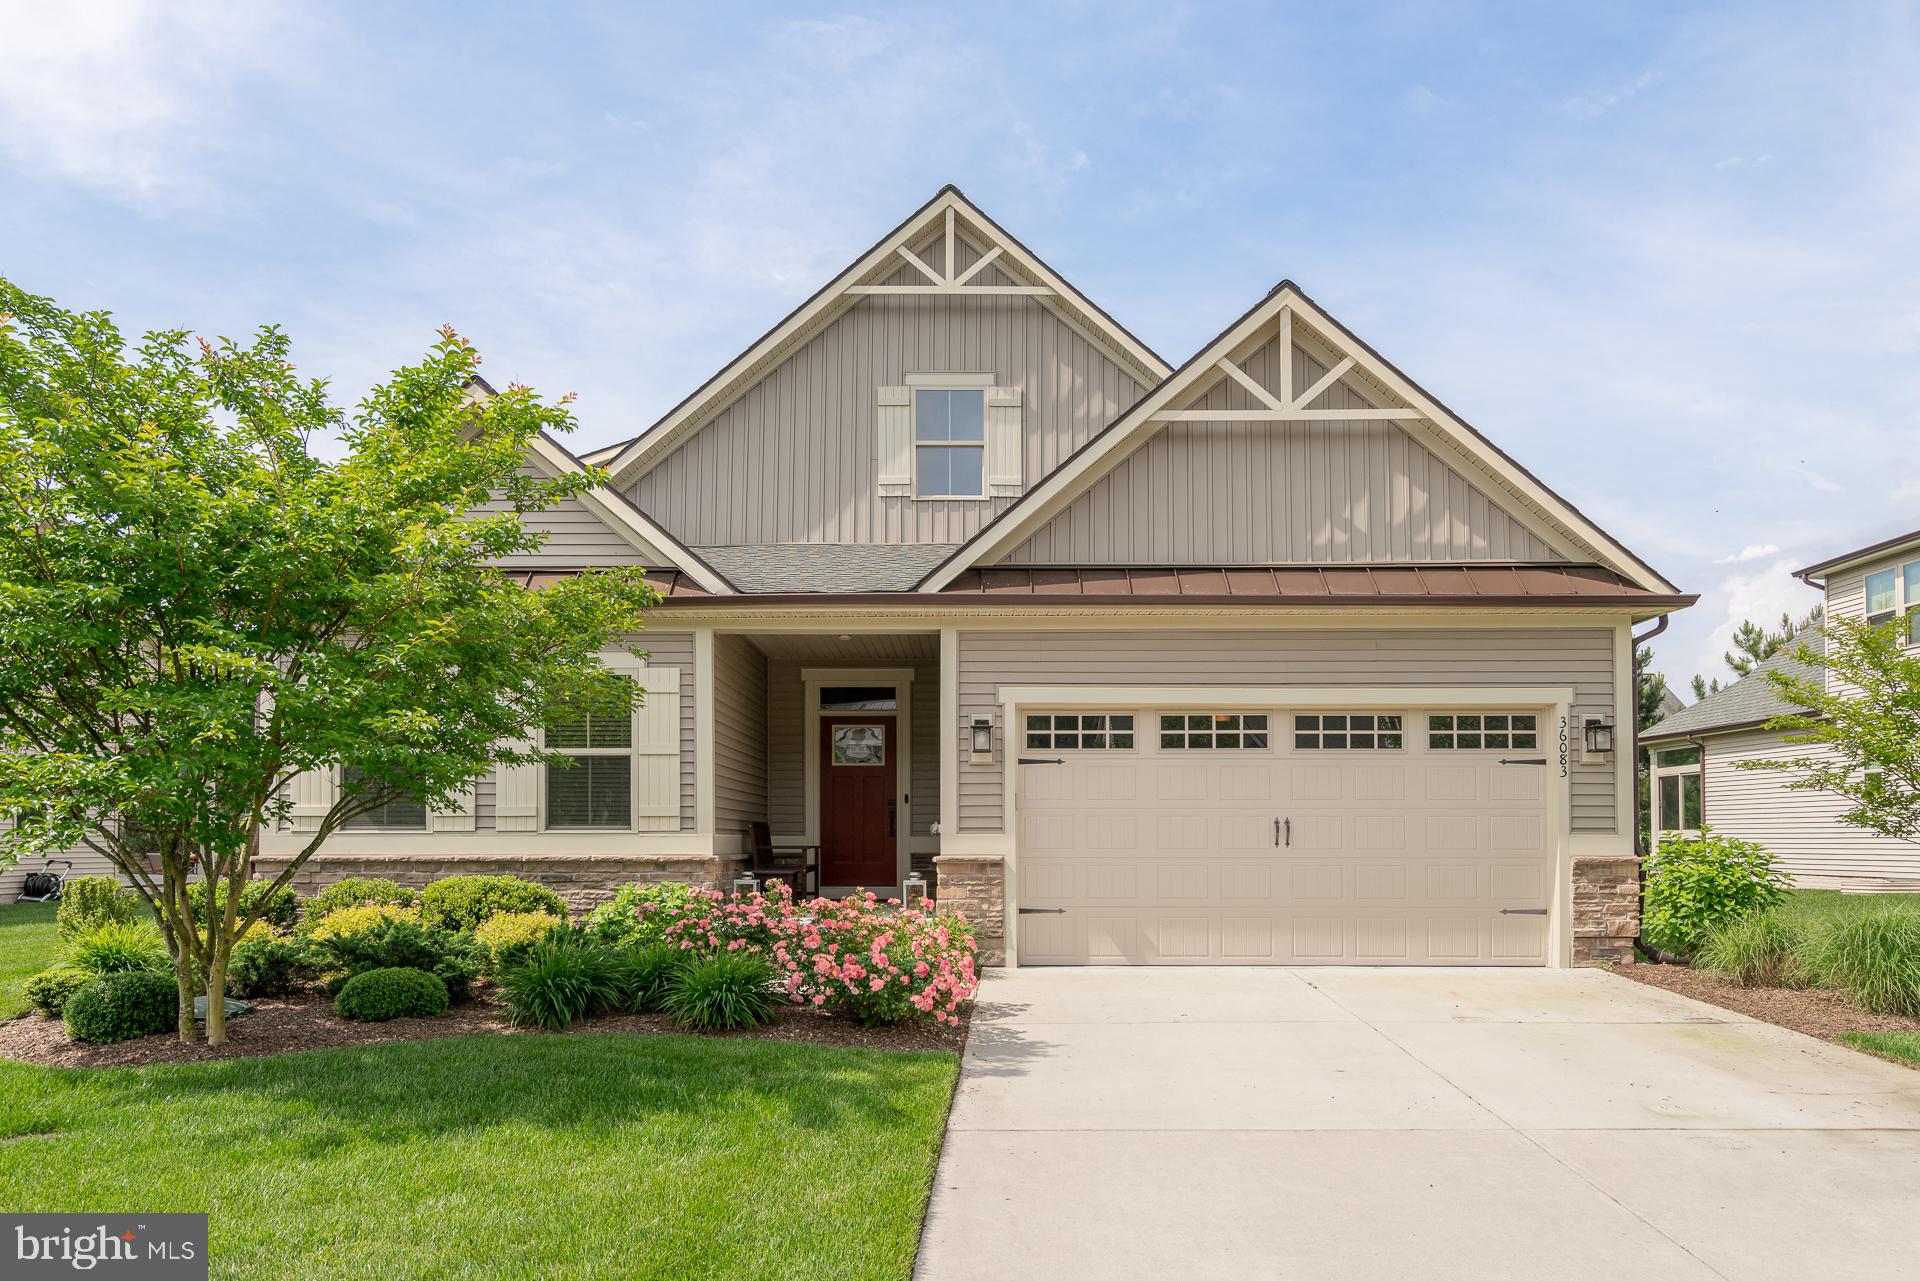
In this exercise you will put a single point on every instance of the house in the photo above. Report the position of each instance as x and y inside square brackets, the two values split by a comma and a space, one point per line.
[1696, 752]
[1267, 658]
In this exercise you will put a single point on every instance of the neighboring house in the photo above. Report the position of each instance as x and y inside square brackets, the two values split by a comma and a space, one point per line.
[1270, 658]
[1696, 752]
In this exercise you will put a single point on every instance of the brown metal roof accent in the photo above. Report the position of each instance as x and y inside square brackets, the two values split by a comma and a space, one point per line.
[1859, 553]
[1506, 584]
[672, 584]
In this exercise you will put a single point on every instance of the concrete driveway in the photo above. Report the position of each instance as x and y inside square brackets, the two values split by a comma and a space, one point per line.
[1358, 1123]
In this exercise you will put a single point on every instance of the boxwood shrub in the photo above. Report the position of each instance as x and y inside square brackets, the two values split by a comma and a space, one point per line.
[120, 1007]
[353, 892]
[277, 908]
[463, 902]
[49, 990]
[507, 935]
[397, 992]
[266, 966]
[87, 901]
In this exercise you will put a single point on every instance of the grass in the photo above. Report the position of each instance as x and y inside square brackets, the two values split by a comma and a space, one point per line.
[27, 946]
[593, 1156]
[1903, 1046]
[1819, 905]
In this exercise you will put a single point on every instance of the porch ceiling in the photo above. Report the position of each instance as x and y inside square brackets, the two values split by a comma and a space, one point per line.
[858, 647]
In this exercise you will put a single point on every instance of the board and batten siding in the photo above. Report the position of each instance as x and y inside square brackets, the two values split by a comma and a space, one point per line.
[1802, 827]
[795, 458]
[575, 537]
[1201, 493]
[739, 732]
[1580, 658]
[786, 746]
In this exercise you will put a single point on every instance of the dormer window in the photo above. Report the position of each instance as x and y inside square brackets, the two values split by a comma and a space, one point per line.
[1891, 592]
[950, 442]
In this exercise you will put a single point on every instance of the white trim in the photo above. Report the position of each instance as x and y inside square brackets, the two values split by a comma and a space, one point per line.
[917, 383]
[1555, 701]
[634, 458]
[812, 680]
[573, 841]
[1067, 482]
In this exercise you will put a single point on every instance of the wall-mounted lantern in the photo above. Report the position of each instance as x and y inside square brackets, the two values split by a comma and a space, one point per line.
[977, 733]
[1599, 736]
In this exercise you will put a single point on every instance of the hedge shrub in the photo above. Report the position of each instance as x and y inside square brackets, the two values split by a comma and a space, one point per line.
[1697, 884]
[507, 935]
[353, 892]
[463, 902]
[392, 942]
[120, 1007]
[116, 947]
[49, 990]
[397, 992]
[87, 901]
[360, 919]
[278, 908]
[269, 966]
[641, 913]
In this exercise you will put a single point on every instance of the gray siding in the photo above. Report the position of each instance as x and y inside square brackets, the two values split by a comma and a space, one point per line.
[794, 458]
[575, 537]
[1580, 658]
[1803, 828]
[739, 732]
[786, 745]
[1277, 493]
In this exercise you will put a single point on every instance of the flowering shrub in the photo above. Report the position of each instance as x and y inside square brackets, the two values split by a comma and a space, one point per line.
[872, 959]
[639, 914]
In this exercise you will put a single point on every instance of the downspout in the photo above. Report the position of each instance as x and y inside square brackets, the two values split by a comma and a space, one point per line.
[1640, 943]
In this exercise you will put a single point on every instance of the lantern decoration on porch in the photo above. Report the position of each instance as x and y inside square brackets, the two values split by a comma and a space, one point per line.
[913, 891]
[745, 883]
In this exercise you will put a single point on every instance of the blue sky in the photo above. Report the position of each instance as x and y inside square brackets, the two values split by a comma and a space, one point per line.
[1666, 255]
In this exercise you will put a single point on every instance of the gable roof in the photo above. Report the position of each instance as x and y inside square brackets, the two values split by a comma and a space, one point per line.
[1845, 559]
[949, 209]
[1385, 385]
[1750, 701]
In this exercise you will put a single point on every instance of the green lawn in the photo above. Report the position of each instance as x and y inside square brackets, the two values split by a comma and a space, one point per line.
[27, 945]
[610, 1156]
[1832, 903]
[1904, 1046]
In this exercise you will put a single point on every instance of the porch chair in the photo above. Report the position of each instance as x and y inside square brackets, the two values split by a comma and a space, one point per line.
[797, 865]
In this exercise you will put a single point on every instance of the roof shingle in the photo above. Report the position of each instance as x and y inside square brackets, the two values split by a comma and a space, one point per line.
[1751, 700]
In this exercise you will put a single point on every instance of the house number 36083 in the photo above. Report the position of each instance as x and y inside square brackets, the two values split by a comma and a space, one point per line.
[1563, 747]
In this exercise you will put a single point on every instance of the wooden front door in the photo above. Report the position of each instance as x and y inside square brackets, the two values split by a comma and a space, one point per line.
[859, 791]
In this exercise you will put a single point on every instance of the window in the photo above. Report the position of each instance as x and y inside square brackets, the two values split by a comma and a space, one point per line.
[1341, 730]
[1678, 756]
[395, 812]
[950, 442]
[1087, 731]
[859, 745]
[1679, 802]
[596, 790]
[1891, 592]
[859, 698]
[1467, 731]
[1206, 731]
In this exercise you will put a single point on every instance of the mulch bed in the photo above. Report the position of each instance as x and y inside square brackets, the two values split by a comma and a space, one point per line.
[285, 1024]
[1815, 1011]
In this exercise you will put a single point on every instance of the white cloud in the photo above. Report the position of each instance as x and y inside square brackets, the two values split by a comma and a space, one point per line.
[1762, 595]
[117, 93]
[1824, 485]
[1752, 551]
[1587, 106]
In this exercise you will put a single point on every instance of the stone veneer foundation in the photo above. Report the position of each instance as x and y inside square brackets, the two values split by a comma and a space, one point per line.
[1606, 907]
[974, 885]
[584, 881]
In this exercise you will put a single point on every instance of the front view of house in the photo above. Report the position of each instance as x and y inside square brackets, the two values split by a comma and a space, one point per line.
[1267, 659]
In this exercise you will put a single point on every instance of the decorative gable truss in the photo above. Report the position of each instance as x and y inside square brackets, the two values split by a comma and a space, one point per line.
[1326, 454]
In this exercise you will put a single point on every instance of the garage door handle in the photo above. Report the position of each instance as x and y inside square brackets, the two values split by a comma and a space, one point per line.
[1042, 911]
[1061, 760]
[1523, 911]
[1523, 760]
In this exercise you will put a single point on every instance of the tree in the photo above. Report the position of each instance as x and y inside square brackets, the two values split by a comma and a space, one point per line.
[1650, 687]
[1754, 645]
[1862, 704]
[1702, 687]
[195, 608]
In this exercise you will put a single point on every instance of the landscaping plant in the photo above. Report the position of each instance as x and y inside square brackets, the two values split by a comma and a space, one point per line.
[1695, 884]
[559, 979]
[276, 906]
[50, 989]
[397, 992]
[640, 913]
[202, 605]
[268, 966]
[389, 941]
[355, 891]
[467, 902]
[645, 974]
[722, 992]
[87, 901]
[1873, 955]
[358, 919]
[120, 1007]
[506, 936]
[117, 947]
[1760, 949]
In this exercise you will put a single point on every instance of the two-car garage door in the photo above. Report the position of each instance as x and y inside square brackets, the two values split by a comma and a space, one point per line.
[1303, 841]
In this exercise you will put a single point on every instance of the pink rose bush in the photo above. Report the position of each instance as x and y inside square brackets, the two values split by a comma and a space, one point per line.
[873, 959]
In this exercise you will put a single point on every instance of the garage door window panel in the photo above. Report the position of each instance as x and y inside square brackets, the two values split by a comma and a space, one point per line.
[1080, 731]
[1348, 731]
[1478, 731]
[1214, 731]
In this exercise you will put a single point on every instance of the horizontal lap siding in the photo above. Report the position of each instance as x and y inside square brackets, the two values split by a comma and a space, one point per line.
[1579, 658]
[794, 459]
[1802, 827]
[1275, 493]
[574, 537]
[739, 732]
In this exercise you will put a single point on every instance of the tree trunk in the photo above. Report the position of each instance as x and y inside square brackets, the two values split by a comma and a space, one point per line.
[217, 996]
[183, 978]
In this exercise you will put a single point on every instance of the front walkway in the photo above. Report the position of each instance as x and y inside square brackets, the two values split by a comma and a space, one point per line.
[1360, 1123]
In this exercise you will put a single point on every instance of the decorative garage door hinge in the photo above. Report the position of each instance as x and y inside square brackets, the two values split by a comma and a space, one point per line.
[1042, 911]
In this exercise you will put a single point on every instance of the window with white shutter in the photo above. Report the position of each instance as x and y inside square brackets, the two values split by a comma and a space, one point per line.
[623, 772]
[1003, 442]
